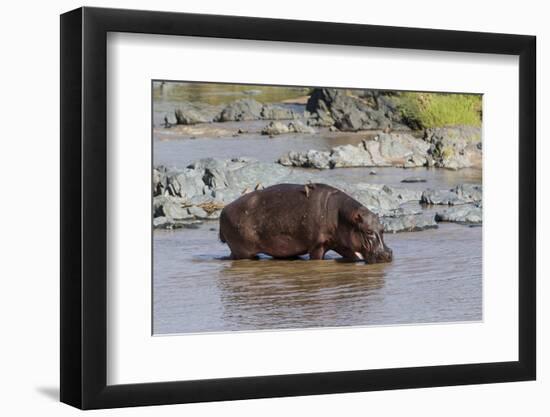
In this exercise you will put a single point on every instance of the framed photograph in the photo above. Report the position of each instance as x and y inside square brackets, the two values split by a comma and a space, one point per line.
[258, 208]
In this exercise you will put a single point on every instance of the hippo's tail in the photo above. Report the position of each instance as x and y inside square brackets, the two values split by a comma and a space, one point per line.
[222, 220]
[222, 237]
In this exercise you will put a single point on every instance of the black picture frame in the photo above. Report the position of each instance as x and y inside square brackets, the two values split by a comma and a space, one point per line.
[84, 207]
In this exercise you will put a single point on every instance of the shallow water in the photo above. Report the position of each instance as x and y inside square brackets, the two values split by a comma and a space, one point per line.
[436, 275]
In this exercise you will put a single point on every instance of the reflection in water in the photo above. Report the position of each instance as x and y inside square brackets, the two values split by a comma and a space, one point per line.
[286, 294]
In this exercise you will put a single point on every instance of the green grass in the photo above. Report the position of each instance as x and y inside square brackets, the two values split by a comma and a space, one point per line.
[426, 110]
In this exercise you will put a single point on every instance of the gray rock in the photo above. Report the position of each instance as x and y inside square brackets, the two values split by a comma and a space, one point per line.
[193, 113]
[408, 223]
[444, 197]
[469, 214]
[461, 194]
[160, 222]
[175, 210]
[350, 156]
[171, 207]
[319, 160]
[455, 147]
[413, 179]
[374, 198]
[226, 196]
[170, 119]
[239, 110]
[214, 172]
[349, 113]
[159, 180]
[275, 128]
[184, 183]
[470, 193]
[256, 174]
[394, 149]
[404, 194]
[402, 149]
[298, 127]
[250, 109]
[309, 159]
[197, 212]
[271, 112]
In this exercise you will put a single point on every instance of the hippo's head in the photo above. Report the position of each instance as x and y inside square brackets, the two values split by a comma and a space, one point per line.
[367, 237]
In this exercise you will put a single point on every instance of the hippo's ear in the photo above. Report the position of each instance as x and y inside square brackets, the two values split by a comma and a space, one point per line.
[355, 217]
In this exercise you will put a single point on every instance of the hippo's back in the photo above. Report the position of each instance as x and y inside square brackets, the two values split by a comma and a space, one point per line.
[282, 209]
[284, 200]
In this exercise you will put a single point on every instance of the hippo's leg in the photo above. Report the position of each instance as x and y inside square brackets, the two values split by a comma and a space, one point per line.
[235, 255]
[349, 254]
[317, 253]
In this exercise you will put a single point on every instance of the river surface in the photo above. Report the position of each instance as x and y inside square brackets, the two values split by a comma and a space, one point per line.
[436, 275]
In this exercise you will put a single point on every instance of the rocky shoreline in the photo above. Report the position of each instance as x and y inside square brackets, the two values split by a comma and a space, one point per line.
[197, 193]
[451, 148]
[183, 197]
[395, 141]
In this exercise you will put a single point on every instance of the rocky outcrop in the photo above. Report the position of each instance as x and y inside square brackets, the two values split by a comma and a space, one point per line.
[275, 128]
[405, 195]
[334, 107]
[273, 112]
[279, 128]
[467, 214]
[455, 147]
[411, 222]
[191, 114]
[451, 148]
[461, 194]
[469, 193]
[240, 110]
[204, 187]
[395, 149]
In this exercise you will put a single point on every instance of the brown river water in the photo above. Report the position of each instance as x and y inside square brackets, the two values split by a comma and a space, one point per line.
[436, 275]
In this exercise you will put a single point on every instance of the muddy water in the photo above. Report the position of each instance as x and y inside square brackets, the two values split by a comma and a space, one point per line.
[436, 275]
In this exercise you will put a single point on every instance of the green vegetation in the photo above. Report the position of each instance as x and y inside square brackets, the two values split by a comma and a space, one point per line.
[425, 110]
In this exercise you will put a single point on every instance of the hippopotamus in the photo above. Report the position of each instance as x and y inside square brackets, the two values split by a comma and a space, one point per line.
[289, 220]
